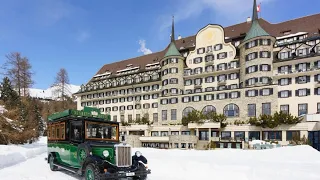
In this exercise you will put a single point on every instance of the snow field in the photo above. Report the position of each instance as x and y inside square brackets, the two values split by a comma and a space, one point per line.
[285, 163]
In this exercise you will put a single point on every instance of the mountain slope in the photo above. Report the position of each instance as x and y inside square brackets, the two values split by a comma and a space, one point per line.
[49, 93]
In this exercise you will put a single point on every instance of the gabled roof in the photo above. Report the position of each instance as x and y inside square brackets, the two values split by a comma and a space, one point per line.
[310, 24]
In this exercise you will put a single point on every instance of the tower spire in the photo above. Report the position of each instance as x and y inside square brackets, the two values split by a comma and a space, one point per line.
[254, 13]
[172, 30]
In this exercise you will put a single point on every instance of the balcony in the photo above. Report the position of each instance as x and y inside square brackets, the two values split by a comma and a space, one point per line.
[292, 73]
[154, 138]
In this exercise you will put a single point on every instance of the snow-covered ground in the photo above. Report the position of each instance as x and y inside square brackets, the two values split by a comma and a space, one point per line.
[286, 163]
[49, 93]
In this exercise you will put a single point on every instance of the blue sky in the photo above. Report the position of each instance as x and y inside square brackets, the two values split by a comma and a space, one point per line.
[82, 35]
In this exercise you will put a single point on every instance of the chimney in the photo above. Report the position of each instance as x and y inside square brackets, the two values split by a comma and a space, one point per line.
[179, 37]
[248, 19]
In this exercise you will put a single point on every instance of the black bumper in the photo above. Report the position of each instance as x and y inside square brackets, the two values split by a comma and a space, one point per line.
[125, 174]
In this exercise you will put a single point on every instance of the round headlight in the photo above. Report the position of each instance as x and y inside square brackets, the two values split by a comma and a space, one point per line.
[105, 153]
[138, 153]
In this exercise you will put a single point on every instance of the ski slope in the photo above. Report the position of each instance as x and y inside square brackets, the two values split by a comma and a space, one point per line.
[286, 163]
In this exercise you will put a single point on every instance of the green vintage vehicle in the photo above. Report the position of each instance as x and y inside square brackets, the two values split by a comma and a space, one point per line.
[87, 143]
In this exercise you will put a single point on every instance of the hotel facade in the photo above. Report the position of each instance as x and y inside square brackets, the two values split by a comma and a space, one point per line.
[241, 71]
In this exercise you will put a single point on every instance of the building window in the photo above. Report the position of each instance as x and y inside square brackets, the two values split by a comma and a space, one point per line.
[254, 135]
[302, 109]
[173, 100]
[154, 105]
[130, 118]
[146, 106]
[209, 49]
[209, 68]
[208, 109]
[284, 108]
[173, 70]
[234, 95]
[221, 96]
[265, 54]
[209, 58]
[284, 81]
[130, 107]
[293, 135]
[173, 81]
[222, 55]
[209, 79]
[252, 69]
[208, 97]
[164, 101]
[284, 69]
[302, 92]
[251, 110]
[196, 98]
[233, 76]
[265, 67]
[272, 135]
[225, 135]
[200, 50]
[318, 107]
[186, 99]
[197, 60]
[186, 111]
[122, 118]
[173, 114]
[137, 116]
[251, 44]
[231, 110]
[252, 56]
[217, 47]
[252, 93]
[285, 94]
[155, 117]
[222, 66]
[164, 115]
[266, 108]
[266, 92]
[115, 118]
[198, 70]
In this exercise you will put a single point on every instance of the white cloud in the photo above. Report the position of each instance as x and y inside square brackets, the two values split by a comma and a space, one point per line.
[234, 10]
[143, 48]
[83, 36]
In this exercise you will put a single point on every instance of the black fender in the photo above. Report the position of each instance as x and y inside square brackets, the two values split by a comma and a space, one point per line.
[51, 154]
[92, 159]
[88, 150]
[136, 159]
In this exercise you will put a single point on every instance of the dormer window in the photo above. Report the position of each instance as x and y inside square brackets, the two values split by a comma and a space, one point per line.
[286, 32]
[284, 55]
[302, 52]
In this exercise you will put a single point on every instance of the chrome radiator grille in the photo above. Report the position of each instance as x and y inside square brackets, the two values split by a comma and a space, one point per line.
[123, 155]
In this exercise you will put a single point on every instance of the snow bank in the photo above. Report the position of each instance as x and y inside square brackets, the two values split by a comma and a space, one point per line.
[14, 154]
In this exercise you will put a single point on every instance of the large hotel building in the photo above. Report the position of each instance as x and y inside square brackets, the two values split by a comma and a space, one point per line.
[241, 71]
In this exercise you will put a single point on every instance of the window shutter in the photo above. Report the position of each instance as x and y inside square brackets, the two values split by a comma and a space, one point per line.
[256, 68]
[256, 92]
[297, 66]
[269, 42]
[247, 58]
[269, 67]
[316, 91]
[260, 67]
[229, 76]
[316, 77]
[229, 94]
[200, 98]
[279, 94]
[247, 45]
[289, 93]
[297, 92]
[256, 79]
[260, 41]
[256, 54]
[246, 82]
[271, 91]
[229, 86]
[247, 71]
[256, 42]
[279, 81]
[308, 65]
[290, 80]
[316, 63]
[225, 55]
[260, 92]
[297, 80]
[238, 75]
[308, 78]
[308, 92]
[226, 94]
[269, 54]
[239, 94]
[246, 93]
[260, 54]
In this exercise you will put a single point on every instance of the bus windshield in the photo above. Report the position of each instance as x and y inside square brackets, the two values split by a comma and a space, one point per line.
[101, 131]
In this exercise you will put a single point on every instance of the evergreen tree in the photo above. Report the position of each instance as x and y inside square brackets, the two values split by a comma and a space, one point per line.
[8, 95]
[39, 120]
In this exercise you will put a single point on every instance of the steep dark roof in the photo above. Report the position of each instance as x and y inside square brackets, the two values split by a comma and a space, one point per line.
[310, 24]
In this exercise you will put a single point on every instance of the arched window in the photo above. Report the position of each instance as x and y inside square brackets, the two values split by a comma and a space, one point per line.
[231, 110]
[208, 109]
[187, 110]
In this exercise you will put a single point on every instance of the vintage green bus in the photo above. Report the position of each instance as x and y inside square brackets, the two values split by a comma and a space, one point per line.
[87, 143]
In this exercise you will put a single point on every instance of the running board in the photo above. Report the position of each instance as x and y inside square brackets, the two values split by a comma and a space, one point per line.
[70, 169]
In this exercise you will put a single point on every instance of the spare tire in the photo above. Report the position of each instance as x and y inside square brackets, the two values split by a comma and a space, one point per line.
[83, 152]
